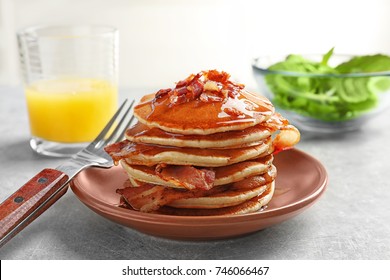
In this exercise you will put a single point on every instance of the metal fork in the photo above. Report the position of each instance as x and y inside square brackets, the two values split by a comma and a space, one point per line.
[45, 188]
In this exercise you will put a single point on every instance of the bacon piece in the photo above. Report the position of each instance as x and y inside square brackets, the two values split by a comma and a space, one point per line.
[180, 91]
[177, 99]
[149, 197]
[127, 149]
[162, 92]
[217, 76]
[233, 89]
[233, 112]
[195, 88]
[186, 90]
[119, 150]
[186, 81]
[187, 176]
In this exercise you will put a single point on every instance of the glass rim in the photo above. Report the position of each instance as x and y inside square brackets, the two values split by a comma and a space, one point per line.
[67, 31]
[263, 69]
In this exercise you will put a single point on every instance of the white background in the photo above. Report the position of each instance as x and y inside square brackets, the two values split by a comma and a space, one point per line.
[162, 41]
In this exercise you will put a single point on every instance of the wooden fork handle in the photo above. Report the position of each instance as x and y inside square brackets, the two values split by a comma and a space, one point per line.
[30, 201]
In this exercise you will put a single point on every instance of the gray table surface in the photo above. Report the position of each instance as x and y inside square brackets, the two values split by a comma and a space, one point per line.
[350, 221]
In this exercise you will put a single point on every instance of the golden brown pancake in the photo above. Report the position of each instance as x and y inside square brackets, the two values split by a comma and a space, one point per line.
[221, 106]
[250, 136]
[144, 154]
[253, 205]
[230, 197]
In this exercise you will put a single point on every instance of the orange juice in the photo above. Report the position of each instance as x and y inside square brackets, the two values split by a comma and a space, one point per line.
[70, 110]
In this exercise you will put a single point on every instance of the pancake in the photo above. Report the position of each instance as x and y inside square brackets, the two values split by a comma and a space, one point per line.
[225, 199]
[202, 104]
[230, 197]
[134, 182]
[250, 136]
[149, 155]
[253, 205]
[223, 175]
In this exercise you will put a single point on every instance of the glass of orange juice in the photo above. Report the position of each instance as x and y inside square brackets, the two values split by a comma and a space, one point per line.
[70, 79]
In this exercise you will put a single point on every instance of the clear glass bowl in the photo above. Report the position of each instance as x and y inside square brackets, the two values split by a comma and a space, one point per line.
[319, 102]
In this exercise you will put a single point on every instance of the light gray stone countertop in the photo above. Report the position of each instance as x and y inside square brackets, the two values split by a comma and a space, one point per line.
[350, 221]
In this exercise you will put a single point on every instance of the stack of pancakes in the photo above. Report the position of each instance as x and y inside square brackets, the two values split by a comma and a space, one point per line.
[203, 147]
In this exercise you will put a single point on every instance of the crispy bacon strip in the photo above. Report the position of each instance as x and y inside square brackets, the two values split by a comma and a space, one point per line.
[187, 176]
[149, 197]
[119, 150]
[115, 150]
[214, 75]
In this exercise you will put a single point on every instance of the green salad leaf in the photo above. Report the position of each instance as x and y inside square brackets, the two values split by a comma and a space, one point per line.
[327, 56]
[328, 97]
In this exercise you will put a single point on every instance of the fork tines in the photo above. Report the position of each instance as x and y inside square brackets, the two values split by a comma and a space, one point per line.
[116, 128]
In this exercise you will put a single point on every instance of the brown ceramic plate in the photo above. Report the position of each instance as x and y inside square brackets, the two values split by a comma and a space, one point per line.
[300, 182]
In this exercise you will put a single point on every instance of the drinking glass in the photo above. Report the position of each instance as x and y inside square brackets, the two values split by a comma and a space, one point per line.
[70, 81]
